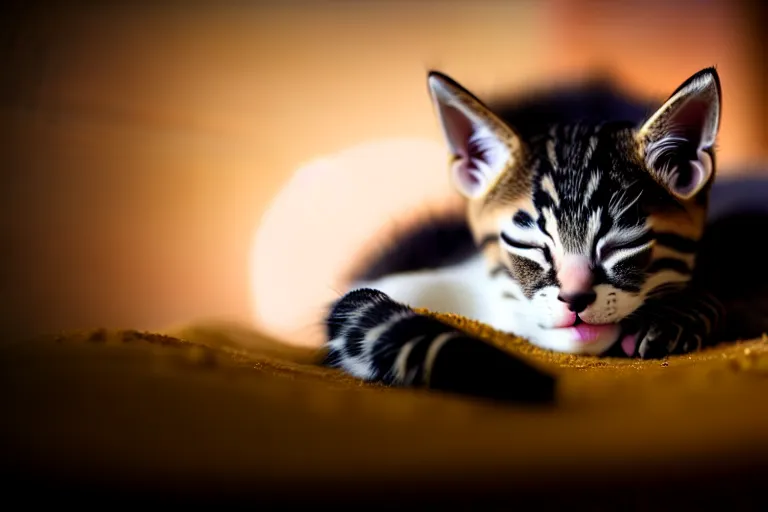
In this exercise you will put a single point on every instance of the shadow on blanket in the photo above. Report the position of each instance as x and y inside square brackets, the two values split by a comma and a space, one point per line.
[223, 414]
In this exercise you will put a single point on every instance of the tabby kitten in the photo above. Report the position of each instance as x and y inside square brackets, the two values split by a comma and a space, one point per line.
[584, 235]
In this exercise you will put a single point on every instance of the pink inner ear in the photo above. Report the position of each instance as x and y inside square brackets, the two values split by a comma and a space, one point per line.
[689, 126]
[459, 129]
[477, 150]
[469, 179]
[697, 177]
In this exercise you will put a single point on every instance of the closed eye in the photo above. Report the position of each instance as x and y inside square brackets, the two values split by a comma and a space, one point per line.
[611, 248]
[536, 250]
[517, 244]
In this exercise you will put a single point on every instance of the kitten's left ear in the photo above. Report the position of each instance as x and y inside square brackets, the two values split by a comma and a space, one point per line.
[677, 140]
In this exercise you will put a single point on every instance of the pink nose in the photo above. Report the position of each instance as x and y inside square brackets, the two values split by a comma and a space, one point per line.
[575, 275]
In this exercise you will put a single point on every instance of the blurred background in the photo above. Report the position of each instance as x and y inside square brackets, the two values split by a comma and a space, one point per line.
[143, 145]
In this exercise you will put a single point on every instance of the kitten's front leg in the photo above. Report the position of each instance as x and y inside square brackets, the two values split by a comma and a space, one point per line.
[675, 323]
[372, 337]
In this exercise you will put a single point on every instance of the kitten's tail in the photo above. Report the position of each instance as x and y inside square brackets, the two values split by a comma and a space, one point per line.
[377, 339]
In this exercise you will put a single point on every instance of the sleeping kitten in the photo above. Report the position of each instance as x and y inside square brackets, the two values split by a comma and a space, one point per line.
[581, 235]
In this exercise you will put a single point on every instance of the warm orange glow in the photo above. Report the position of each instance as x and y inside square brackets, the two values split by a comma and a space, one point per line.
[144, 142]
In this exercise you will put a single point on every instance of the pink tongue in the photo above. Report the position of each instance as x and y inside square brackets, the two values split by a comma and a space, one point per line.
[628, 344]
[588, 333]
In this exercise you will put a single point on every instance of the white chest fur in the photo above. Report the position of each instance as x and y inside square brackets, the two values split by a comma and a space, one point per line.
[469, 290]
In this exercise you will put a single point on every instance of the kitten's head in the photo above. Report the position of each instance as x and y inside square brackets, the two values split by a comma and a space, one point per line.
[588, 220]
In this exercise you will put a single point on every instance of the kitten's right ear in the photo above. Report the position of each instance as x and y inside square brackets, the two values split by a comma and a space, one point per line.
[482, 146]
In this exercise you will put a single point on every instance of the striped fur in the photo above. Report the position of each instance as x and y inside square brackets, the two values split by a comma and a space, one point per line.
[374, 338]
[586, 236]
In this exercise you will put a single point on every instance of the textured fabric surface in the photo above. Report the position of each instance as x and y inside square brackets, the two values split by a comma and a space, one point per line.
[219, 412]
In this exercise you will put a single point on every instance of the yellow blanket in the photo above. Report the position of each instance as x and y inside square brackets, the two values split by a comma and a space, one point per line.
[220, 408]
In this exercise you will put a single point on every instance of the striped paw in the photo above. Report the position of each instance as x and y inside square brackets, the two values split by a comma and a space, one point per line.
[675, 324]
[377, 339]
